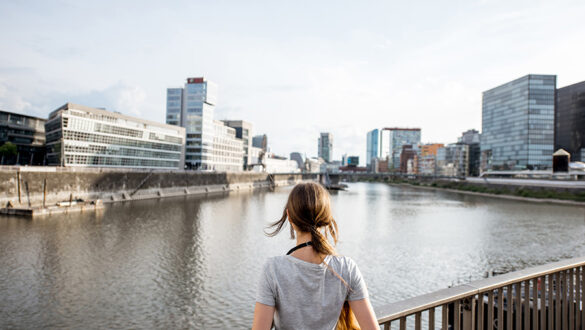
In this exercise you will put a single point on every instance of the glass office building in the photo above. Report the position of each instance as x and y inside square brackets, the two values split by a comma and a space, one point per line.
[326, 147]
[192, 107]
[211, 144]
[373, 146]
[174, 106]
[397, 138]
[27, 133]
[518, 124]
[570, 120]
[81, 136]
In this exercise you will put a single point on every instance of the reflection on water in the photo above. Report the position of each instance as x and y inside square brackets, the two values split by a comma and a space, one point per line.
[193, 262]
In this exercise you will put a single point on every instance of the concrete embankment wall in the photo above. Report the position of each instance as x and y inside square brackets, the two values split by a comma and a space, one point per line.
[117, 184]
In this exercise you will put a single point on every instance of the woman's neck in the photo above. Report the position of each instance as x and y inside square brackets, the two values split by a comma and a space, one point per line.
[307, 253]
[303, 237]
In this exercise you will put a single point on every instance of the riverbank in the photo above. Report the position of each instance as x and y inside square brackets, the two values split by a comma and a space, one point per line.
[30, 187]
[564, 196]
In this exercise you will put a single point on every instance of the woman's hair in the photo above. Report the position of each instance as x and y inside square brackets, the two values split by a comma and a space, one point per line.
[309, 210]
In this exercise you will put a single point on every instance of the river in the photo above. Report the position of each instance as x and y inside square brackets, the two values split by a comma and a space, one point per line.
[193, 262]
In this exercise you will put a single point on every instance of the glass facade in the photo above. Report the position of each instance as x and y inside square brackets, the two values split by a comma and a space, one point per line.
[82, 136]
[472, 139]
[326, 147]
[260, 141]
[518, 124]
[174, 105]
[453, 160]
[398, 137]
[570, 120]
[373, 146]
[195, 113]
[27, 134]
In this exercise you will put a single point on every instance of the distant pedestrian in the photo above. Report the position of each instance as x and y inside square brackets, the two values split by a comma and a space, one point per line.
[311, 287]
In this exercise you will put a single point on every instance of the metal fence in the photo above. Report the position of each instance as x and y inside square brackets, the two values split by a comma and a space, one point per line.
[550, 296]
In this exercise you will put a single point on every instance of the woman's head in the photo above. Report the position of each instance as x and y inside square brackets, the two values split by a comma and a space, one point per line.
[308, 209]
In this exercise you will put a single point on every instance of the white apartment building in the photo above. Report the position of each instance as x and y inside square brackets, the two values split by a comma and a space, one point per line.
[227, 150]
[244, 132]
[82, 136]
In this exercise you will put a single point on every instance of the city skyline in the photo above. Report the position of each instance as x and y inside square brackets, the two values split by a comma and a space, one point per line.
[289, 79]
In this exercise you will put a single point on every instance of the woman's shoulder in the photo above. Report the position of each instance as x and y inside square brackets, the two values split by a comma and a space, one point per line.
[343, 262]
[271, 261]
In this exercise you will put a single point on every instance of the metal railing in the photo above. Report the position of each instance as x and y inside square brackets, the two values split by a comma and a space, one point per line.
[550, 296]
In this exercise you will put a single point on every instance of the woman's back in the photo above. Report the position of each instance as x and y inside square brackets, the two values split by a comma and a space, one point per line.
[308, 295]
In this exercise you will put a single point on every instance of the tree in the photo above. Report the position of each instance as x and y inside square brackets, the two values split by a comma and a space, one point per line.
[8, 149]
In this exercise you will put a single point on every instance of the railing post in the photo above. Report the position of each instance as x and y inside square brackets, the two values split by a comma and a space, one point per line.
[403, 323]
[510, 306]
[578, 296]
[535, 309]
[551, 302]
[557, 305]
[480, 311]
[571, 299]
[457, 315]
[490, 310]
[468, 313]
[518, 305]
[582, 280]
[526, 305]
[432, 319]
[445, 317]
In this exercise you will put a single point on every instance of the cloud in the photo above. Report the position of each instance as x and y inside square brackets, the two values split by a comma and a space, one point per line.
[12, 102]
[122, 97]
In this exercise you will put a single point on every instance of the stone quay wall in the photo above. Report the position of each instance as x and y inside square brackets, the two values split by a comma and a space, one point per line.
[21, 185]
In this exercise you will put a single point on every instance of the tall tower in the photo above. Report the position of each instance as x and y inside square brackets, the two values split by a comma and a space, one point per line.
[373, 146]
[192, 107]
[517, 123]
[326, 147]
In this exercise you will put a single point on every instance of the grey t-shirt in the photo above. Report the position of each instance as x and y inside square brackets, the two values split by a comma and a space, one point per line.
[307, 295]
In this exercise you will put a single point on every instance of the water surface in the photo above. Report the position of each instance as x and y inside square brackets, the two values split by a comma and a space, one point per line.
[193, 262]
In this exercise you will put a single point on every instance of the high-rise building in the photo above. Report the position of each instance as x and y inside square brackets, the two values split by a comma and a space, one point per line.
[427, 160]
[471, 138]
[260, 141]
[298, 157]
[453, 160]
[353, 161]
[570, 120]
[430, 149]
[518, 124]
[408, 159]
[397, 138]
[373, 146]
[244, 132]
[326, 147]
[192, 107]
[83, 136]
[27, 133]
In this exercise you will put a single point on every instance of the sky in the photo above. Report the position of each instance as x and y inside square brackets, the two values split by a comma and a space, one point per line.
[291, 68]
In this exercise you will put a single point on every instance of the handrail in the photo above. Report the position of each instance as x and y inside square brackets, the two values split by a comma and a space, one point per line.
[416, 305]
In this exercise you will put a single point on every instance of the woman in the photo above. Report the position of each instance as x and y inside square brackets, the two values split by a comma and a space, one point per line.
[307, 288]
